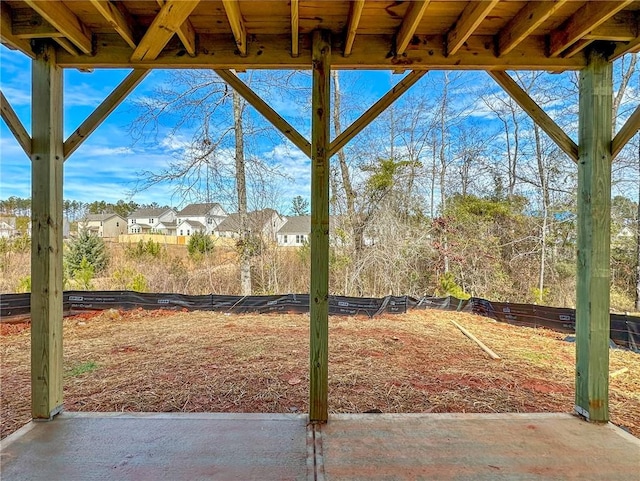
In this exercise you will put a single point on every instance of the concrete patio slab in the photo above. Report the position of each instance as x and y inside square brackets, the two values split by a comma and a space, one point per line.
[155, 446]
[476, 447]
[351, 447]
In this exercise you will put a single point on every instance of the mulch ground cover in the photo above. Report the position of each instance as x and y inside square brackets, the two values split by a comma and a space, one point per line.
[167, 361]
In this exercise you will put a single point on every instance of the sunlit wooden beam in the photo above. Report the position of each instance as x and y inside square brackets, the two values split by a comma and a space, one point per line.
[529, 18]
[352, 26]
[577, 47]
[631, 47]
[586, 19]
[376, 109]
[410, 24]
[628, 130]
[295, 18]
[232, 7]
[261, 106]
[65, 21]
[7, 37]
[15, 125]
[168, 21]
[539, 116]
[186, 34]
[470, 19]
[103, 110]
[67, 44]
[117, 19]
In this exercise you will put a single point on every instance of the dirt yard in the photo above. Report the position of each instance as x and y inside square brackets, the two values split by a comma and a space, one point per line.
[164, 361]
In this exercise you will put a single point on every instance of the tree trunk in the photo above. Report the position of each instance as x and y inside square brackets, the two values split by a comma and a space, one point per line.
[241, 188]
[638, 238]
[545, 212]
[443, 165]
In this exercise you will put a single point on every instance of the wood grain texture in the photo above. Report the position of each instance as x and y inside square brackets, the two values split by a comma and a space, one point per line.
[15, 125]
[628, 130]
[319, 291]
[65, 21]
[594, 220]
[46, 235]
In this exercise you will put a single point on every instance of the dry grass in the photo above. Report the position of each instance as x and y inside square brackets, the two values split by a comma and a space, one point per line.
[202, 361]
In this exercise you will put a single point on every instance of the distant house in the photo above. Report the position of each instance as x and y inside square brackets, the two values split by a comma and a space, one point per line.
[166, 228]
[265, 223]
[207, 215]
[8, 227]
[104, 225]
[144, 221]
[295, 232]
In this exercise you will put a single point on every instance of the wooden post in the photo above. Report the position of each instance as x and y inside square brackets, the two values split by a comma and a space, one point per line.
[46, 235]
[594, 217]
[319, 295]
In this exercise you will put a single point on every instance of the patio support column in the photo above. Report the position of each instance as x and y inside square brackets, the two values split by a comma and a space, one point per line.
[46, 234]
[594, 217]
[319, 292]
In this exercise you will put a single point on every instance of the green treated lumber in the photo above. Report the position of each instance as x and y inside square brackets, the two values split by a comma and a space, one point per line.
[46, 235]
[594, 217]
[319, 294]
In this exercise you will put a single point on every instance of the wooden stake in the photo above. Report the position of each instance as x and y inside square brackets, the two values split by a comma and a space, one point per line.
[46, 235]
[594, 219]
[319, 294]
[619, 371]
[492, 354]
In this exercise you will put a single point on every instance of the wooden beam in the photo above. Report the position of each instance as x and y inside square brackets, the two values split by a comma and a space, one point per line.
[587, 18]
[526, 21]
[6, 33]
[46, 235]
[594, 221]
[469, 20]
[577, 47]
[295, 19]
[355, 13]
[538, 115]
[631, 47]
[186, 34]
[412, 18]
[369, 52]
[117, 19]
[232, 7]
[168, 21]
[261, 106]
[319, 292]
[628, 130]
[66, 44]
[376, 109]
[65, 21]
[107, 106]
[15, 125]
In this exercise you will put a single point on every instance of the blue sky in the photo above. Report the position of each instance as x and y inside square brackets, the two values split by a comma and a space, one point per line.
[106, 166]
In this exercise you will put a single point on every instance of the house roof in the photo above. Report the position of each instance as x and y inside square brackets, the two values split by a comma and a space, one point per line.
[198, 209]
[299, 224]
[168, 224]
[148, 213]
[101, 217]
[257, 220]
[415, 35]
[193, 223]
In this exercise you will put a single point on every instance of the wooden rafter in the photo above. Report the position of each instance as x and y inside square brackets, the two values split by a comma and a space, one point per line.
[168, 21]
[232, 7]
[15, 126]
[530, 17]
[632, 47]
[186, 34]
[7, 36]
[470, 18]
[352, 27]
[376, 109]
[107, 106]
[295, 17]
[66, 44]
[587, 18]
[628, 130]
[577, 47]
[538, 115]
[65, 21]
[412, 18]
[117, 19]
[261, 106]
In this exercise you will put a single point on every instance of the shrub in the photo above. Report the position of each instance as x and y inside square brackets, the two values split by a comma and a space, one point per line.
[83, 275]
[128, 279]
[449, 287]
[144, 249]
[199, 244]
[90, 248]
[24, 284]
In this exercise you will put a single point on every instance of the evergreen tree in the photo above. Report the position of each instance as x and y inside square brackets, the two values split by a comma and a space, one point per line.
[90, 247]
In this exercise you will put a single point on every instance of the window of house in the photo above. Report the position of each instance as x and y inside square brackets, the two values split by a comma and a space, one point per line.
[150, 221]
[100, 223]
[188, 232]
[117, 224]
[133, 221]
[181, 233]
[299, 239]
[285, 240]
[209, 220]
